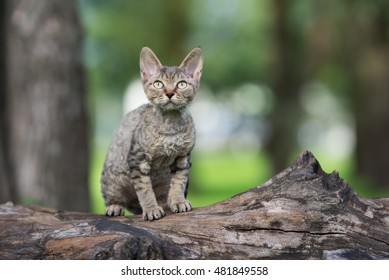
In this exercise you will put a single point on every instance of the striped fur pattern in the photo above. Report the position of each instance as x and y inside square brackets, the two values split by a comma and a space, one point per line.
[147, 165]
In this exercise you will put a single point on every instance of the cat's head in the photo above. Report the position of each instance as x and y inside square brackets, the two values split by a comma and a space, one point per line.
[170, 88]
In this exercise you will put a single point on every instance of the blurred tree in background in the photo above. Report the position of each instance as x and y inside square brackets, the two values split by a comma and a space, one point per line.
[365, 46]
[44, 139]
[349, 52]
[5, 185]
[286, 83]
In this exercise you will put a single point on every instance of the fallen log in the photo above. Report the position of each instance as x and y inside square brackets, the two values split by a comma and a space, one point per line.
[301, 213]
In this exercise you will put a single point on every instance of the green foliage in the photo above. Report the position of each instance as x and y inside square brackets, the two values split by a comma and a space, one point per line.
[236, 35]
[117, 30]
[235, 39]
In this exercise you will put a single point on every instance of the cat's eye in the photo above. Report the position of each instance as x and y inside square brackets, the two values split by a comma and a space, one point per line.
[181, 84]
[158, 84]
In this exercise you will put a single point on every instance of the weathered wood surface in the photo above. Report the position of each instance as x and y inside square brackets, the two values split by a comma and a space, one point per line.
[302, 213]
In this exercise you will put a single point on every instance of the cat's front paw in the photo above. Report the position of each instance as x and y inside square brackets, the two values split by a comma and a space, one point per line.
[114, 210]
[154, 213]
[181, 206]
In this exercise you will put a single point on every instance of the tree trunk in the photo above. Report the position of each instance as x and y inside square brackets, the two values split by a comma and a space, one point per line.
[178, 13]
[372, 120]
[302, 213]
[5, 188]
[48, 132]
[371, 108]
[365, 56]
[286, 85]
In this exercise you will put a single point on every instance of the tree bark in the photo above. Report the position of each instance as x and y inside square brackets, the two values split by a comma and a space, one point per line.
[46, 108]
[301, 213]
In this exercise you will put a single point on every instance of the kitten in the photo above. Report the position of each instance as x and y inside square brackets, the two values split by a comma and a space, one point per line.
[147, 165]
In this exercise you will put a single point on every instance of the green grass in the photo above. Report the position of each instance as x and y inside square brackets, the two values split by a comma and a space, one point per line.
[218, 176]
[96, 199]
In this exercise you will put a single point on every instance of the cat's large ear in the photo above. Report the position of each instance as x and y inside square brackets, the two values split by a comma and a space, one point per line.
[149, 64]
[193, 64]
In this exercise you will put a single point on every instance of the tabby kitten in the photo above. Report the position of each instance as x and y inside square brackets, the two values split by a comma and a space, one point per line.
[147, 165]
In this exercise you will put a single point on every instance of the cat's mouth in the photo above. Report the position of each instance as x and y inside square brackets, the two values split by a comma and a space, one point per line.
[172, 104]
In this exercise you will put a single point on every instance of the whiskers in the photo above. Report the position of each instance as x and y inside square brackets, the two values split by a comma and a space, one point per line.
[177, 102]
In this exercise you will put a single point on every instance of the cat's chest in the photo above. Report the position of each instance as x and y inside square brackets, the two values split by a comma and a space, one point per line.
[171, 145]
[166, 137]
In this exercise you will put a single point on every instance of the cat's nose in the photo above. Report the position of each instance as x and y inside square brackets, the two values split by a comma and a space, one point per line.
[169, 95]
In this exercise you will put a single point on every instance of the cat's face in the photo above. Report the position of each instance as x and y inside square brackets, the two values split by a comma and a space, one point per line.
[170, 88]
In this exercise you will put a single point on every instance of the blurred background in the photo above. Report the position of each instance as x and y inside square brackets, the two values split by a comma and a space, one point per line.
[279, 76]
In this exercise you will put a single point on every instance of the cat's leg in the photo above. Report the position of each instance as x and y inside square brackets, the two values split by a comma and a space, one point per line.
[179, 182]
[119, 197]
[113, 200]
[112, 194]
[142, 184]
